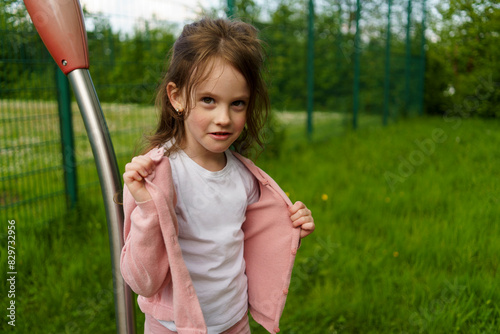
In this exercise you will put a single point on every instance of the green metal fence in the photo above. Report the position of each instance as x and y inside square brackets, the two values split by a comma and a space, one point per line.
[31, 182]
[46, 162]
[359, 63]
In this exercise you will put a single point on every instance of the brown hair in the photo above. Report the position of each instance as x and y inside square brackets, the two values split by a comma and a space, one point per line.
[199, 44]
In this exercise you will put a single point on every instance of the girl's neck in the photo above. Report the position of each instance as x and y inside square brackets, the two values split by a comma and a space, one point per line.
[210, 161]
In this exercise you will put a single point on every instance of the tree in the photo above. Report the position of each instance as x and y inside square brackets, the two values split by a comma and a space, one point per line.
[468, 40]
[21, 52]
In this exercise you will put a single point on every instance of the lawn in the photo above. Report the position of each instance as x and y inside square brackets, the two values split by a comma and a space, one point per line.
[407, 238]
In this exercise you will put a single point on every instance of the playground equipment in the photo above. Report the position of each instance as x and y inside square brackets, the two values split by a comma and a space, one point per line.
[60, 25]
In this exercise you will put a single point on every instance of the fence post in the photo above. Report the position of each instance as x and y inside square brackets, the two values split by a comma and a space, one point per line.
[310, 70]
[230, 8]
[340, 51]
[422, 61]
[408, 60]
[340, 60]
[357, 52]
[67, 137]
[387, 66]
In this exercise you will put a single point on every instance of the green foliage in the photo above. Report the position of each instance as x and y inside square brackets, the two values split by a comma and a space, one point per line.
[129, 68]
[126, 68]
[436, 83]
[462, 55]
[23, 58]
[247, 10]
[285, 38]
[467, 51]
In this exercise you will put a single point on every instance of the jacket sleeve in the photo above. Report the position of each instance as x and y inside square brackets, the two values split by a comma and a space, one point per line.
[144, 263]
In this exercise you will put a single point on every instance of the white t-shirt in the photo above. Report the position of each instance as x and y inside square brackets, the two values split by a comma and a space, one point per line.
[210, 210]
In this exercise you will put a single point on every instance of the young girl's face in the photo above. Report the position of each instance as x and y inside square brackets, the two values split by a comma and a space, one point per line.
[219, 114]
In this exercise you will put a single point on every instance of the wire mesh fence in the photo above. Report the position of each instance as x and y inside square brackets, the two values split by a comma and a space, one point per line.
[40, 175]
[30, 136]
[368, 62]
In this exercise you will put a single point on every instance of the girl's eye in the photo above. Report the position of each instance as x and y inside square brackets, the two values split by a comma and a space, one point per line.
[239, 104]
[207, 100]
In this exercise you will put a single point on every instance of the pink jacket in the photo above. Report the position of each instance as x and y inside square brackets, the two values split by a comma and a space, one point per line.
[152, 264]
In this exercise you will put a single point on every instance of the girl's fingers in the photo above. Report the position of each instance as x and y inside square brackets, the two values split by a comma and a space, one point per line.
[302, 217]
[131, 176]
[302, 221]
[306, 230]
[301, 213]
[135, 173]
[143, 166]
[296, 206]
[308, 226]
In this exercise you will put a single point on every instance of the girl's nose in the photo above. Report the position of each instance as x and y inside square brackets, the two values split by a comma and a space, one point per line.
[223, 116]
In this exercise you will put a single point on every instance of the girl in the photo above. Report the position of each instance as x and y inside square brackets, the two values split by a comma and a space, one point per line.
[208, 235]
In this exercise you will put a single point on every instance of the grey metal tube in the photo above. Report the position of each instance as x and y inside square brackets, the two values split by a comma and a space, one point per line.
[110, 179]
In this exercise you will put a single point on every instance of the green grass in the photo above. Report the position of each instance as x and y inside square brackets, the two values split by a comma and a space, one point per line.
[416, 254]
[31, 167]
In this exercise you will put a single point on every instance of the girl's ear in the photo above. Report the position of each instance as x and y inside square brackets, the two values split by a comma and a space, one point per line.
[175, 96]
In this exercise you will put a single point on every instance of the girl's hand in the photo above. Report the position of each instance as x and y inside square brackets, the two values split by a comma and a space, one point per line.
[135, 173]
[301, 216]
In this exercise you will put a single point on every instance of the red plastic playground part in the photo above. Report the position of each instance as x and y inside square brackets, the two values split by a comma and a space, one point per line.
[60, 25]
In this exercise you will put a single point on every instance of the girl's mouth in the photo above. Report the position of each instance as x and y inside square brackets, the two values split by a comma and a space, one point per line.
[220, 135]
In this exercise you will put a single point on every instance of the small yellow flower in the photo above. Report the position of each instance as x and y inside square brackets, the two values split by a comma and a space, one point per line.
[387, 199]
[324, 197]
[287, 193]
[488, 302]
[395, 254]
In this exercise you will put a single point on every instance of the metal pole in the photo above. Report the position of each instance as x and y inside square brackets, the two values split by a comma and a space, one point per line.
[341, 57]
[230, 8]
[310, 70]
[61, 26]
[356, 67]
[109, 177]
[67, 137]
[422, 60]
[387, 66]
[408, 60]
[339, 39]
